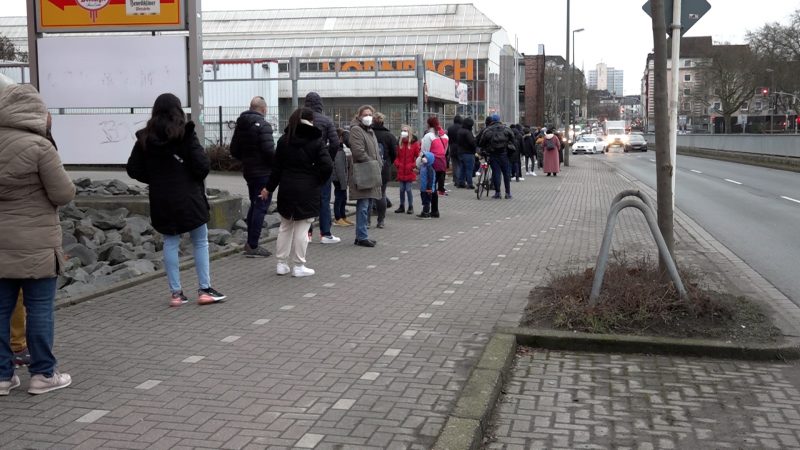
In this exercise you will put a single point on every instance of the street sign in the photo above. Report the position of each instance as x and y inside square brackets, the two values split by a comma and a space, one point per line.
[691, 12]
[64, 16]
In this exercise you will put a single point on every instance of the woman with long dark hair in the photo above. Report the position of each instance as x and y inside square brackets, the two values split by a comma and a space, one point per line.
[302, 165]
[169, 158]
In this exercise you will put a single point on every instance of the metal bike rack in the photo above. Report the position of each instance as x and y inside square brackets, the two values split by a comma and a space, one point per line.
[644, 205]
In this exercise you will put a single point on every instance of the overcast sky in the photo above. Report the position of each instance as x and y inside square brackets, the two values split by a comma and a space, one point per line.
[617, 32]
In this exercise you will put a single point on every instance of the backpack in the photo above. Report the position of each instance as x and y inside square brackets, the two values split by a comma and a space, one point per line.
[549, 144]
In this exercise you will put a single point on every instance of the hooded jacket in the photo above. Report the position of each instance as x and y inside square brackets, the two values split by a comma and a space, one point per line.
[302, 166]
[436, 142]
[252, 144]
[427, 174]
[465, 138]
[452, 133]
[176, 171]
[497, 139]
[324, 123]
[364, 148]
[33, 184]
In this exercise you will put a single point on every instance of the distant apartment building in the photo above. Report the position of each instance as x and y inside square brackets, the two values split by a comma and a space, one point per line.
[605, 78]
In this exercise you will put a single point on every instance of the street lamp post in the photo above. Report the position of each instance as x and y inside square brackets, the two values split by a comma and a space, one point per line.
[556, 104]
[569, 82]
[771, 73]
[572, 73]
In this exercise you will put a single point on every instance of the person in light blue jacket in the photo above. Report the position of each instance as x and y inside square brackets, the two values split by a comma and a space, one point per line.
[427, 182]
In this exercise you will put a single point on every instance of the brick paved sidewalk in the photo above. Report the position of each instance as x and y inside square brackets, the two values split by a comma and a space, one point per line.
[572, 400]
[369, 353]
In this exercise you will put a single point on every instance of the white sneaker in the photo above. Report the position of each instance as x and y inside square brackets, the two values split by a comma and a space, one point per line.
[477, 174]
[302, 271]
[40, 384]
[533, 174]
[521, 179]
[8, 385]
[330, 240]
[282, 268]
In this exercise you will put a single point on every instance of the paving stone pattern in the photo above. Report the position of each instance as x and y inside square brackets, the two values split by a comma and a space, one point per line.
[374, 359]
[572, 400]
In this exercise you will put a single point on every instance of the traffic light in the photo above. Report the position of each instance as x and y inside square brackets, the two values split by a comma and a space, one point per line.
[764, 92]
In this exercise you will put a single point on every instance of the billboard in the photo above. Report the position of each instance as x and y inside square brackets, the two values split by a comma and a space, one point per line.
[64, 16]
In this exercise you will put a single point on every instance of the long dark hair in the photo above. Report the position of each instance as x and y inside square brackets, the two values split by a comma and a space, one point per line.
[167, 121]
[294, 122]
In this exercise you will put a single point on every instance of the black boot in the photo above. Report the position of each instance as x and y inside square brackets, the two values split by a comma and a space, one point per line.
[401, 209]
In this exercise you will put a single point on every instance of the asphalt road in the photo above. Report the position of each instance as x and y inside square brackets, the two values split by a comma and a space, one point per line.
[754, 211]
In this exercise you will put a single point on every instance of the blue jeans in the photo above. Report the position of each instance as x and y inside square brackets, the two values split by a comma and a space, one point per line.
[467, 169]
[201, 264]
[39, 297]
[325, 209]
[405, 192]
[362, 217]
[500, 166]
[339, 202]
[258, 209]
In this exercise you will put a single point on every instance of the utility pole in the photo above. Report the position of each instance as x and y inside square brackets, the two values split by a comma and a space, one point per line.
[568, 99]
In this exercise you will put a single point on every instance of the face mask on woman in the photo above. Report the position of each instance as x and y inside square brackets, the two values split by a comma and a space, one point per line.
[366, 120]
[404, 135]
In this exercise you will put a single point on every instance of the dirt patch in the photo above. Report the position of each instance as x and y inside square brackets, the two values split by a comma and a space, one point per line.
[635, 301]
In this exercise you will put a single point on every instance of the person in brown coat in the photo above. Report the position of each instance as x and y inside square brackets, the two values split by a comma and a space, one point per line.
[33, 184]
[364, 147]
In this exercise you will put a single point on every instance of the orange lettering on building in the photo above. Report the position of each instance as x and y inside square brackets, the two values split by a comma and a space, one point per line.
[458, 69]
[354, 66]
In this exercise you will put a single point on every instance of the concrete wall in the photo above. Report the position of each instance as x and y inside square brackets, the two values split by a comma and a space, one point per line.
[786, 145]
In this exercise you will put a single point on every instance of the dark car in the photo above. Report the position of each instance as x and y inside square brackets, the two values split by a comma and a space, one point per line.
[636, 142]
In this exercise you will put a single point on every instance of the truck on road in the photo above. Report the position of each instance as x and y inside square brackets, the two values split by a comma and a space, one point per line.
[615, 133]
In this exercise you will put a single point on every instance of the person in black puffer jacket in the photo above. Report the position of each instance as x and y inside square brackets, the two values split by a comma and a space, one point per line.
[453, 152]
[388, 142]
[302, 166]
[253, 145]
[466, 148]
[330, 140]
[169, 158]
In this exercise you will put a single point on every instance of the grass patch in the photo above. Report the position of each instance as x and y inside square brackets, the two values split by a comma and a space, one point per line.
[634, 300]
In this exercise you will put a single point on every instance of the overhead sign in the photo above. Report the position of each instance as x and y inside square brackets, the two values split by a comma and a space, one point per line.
[63, 16]
[691, 12]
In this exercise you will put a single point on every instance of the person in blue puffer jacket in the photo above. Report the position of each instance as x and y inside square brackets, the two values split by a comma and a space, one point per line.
[427, 182]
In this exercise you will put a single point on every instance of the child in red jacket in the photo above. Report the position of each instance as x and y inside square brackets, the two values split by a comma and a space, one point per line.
[407, 151]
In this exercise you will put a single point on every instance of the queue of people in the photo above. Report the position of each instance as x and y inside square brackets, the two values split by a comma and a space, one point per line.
[311, 160]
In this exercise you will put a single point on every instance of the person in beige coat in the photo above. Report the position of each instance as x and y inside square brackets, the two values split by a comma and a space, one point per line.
[33, 184]
[364, 148]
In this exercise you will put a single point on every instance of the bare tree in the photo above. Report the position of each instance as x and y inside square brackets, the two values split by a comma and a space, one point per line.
[730, 76]
[7, 50]
[777, 47]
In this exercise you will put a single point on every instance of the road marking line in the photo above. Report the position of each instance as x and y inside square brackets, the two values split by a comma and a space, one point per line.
[437, 303]
[394, 258]
[345, 403]
[449, 291]
[732, 181]
[790, 199]
[477, 272]
[425, 315]
[458, 282]
[696, 171]
[92, 416]
[193, 359]
[329, 285]
[287, 307]
[310, 295]
[371, 266]
[149, 384]
[345, 275]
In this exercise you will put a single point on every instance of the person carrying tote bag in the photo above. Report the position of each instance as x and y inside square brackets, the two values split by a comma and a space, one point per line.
[365, 182]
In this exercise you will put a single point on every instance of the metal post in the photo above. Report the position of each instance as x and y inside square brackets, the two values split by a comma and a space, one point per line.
[220, 125]
[568, 99]
[420, 65]
[193, 19]
[673, 101]
[33, 54]
[294, 72]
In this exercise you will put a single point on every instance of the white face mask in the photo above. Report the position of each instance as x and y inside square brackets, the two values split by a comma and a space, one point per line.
[366, 120]
[404, 134]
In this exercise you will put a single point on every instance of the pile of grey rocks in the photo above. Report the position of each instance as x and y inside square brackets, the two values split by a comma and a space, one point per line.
[109, 246]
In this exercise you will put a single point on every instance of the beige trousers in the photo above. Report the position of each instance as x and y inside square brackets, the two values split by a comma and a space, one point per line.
[293, 241]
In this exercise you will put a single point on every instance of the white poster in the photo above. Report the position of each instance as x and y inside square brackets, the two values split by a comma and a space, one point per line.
[462, 96]
[142, 7]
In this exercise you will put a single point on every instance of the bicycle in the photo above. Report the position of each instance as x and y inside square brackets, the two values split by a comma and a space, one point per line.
[484, 179]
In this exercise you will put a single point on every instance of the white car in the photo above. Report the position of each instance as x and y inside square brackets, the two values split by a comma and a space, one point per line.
[588, 144]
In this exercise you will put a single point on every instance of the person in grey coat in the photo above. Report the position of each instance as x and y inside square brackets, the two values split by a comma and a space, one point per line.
[364, 148]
